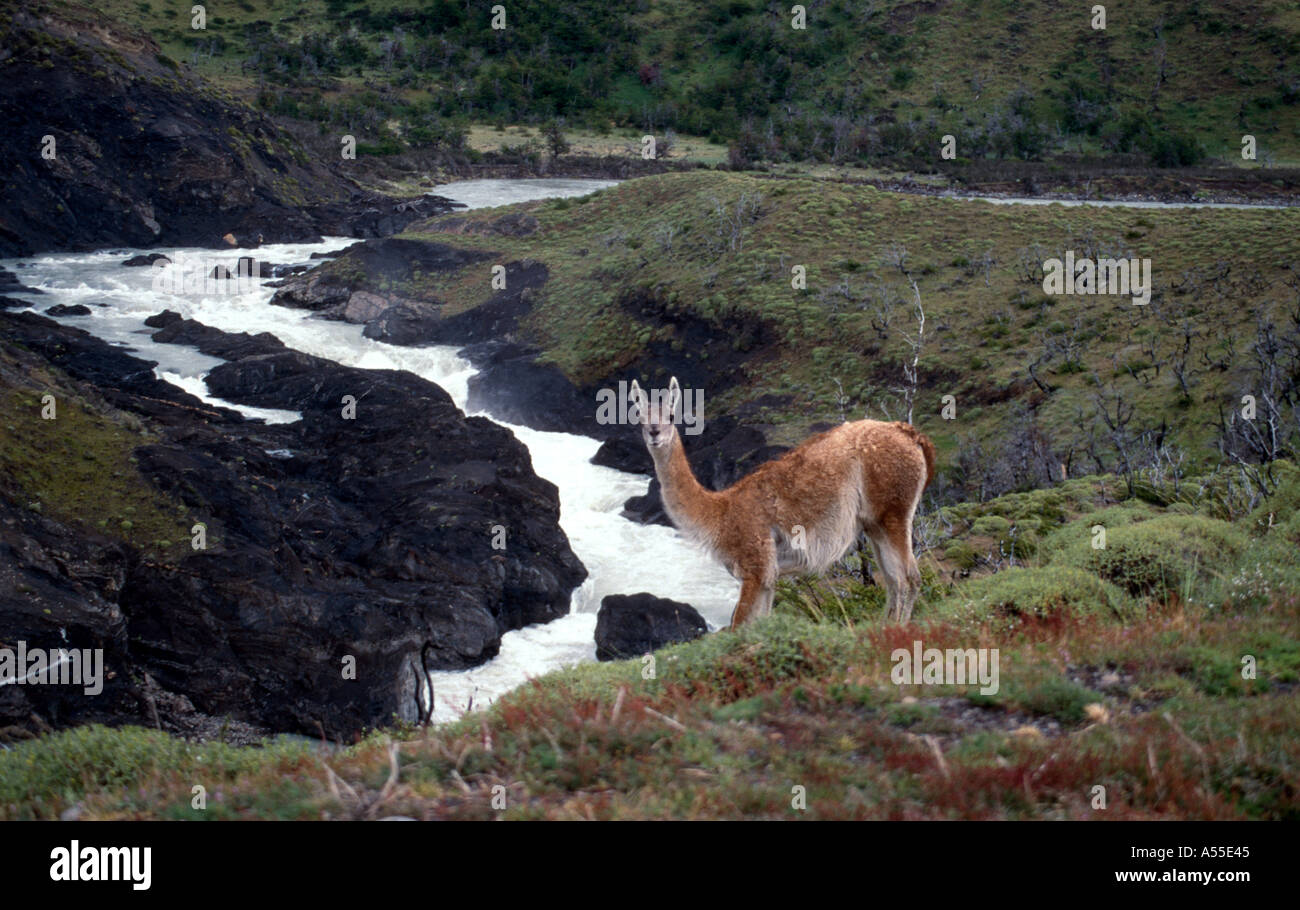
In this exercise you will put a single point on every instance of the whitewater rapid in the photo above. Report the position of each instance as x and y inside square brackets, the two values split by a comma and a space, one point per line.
[621, 557]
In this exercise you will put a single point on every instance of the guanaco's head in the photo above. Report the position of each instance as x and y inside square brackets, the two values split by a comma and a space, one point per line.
[655, 414]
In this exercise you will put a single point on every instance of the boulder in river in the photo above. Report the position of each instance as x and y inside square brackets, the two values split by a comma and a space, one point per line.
[165, 318]
[145, 259]
[63, 309]
[629, 625]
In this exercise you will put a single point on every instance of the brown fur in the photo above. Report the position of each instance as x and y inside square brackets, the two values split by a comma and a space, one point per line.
[803, 511]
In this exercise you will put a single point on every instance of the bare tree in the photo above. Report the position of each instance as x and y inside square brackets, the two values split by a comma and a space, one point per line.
[912, 369]
[881, 303]
[1265, 425]
[1115, 414]
[732, 221]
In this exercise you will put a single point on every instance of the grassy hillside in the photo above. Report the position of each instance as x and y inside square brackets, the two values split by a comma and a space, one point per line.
[79, 467]
[1148, 700]
[645, 264]
[1167, 81]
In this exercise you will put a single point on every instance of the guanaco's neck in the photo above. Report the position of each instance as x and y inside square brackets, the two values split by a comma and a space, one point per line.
[690, 506]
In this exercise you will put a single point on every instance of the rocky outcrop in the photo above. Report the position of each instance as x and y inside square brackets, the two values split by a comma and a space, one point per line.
[378, 285]
[111, 142]
[515, 224]
[60, 589]
[629, 625]
[370, 272]
[497, 317]
[213, 342]
[10, 284]
[512, 386]
[348, 553]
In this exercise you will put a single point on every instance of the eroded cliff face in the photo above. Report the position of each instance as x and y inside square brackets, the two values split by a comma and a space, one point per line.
[352, 538]
[107, 142]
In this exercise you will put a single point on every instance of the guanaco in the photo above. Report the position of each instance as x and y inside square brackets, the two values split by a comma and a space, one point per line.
[803, 511]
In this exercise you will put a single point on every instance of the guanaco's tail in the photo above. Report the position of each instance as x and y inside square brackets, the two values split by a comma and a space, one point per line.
[927, 448]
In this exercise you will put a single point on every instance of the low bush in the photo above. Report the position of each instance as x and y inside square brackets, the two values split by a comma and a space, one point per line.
[1022, 593]
[1153, 558]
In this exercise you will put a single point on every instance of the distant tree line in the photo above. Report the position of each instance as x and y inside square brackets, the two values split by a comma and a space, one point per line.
[731, 70]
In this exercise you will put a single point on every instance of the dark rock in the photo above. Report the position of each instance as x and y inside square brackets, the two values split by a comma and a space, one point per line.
[629, 625]
[285, 271]
[124, 381]
[369, 268]
[532, 394]
[165, 318]
[214, 342]
[9, 284]
[59, 589]
[371, 541]
[498, 316]
[702, 354]
[63, 309]
[625, 452]
[358, 288]
[647, 509]
[371, 215]
[410, 322]
[145, 259]
[486, 353]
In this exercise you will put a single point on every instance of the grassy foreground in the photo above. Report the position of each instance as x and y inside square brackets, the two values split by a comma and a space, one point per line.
[1124, 668]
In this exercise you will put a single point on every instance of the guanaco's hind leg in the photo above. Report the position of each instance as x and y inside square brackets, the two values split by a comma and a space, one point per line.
[755, 601]
[892, 543]
[879, 543]
[909, 575]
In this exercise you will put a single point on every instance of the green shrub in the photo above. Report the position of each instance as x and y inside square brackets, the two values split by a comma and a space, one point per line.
[1016, 594]
[1079, 532]
[961, 554]
[1126, 513]
[1283, 506]
[991, 526]
[1059, 698]
[1158, 556]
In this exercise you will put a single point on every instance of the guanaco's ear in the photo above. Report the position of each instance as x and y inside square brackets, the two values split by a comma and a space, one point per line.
[674, 395]
[638, 401]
